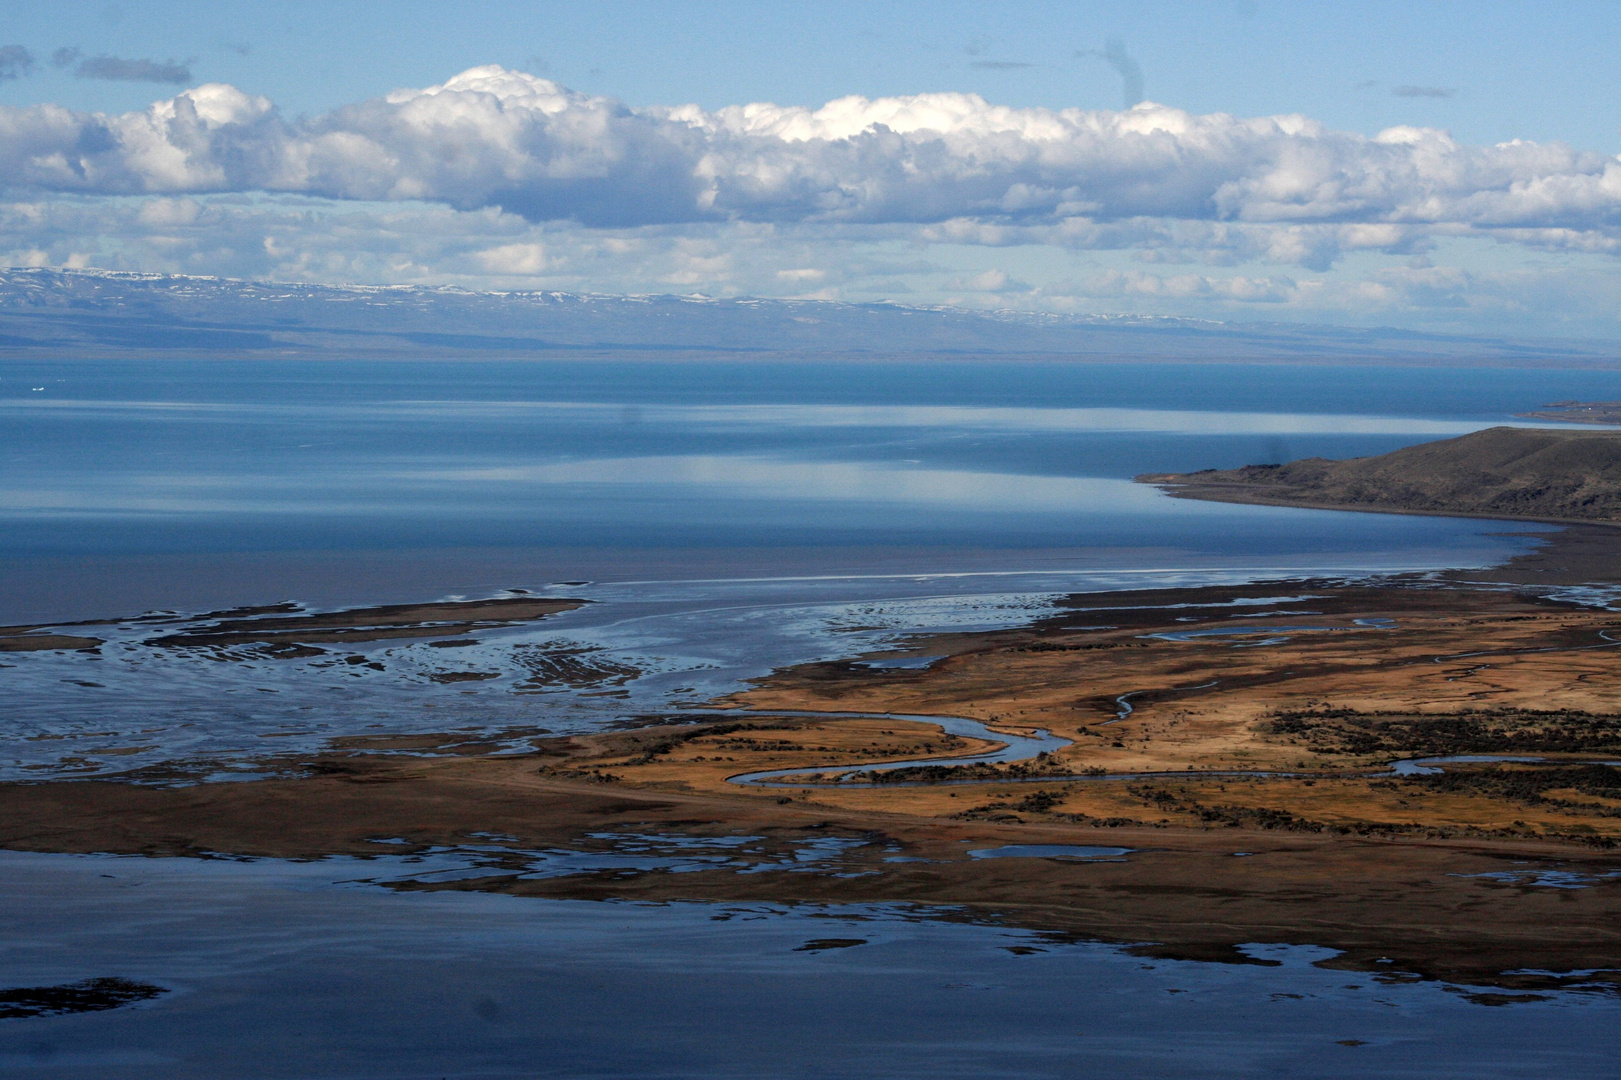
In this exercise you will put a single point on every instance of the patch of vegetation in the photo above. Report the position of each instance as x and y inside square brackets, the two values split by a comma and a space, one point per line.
[1529, 785]
[657, 745]
[1042, 765]
[1233, 817]
[1037, 802]
[1469, 731]
[1526, 784]
[590, 776]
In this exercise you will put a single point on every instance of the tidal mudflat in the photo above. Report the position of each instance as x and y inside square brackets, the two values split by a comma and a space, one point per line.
[1391, 778]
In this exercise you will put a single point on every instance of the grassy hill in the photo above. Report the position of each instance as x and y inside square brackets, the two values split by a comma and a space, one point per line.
[1503, 472]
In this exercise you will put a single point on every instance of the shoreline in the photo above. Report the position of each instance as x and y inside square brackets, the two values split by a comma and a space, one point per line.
[1580, 553]
[1376, 866]
[1423, 907]
[1559, 476]
[1247, 496]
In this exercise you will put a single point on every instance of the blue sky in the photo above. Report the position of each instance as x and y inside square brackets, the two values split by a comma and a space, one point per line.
[1042, 195]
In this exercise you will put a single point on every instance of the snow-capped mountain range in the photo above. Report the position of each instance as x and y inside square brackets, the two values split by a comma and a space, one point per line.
[107, 314]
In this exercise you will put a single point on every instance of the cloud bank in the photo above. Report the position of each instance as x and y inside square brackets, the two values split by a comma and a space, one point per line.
[496, 138]
[498, 178]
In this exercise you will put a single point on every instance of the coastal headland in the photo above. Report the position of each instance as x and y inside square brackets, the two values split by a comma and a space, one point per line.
[1533, 474]
[1263, 753]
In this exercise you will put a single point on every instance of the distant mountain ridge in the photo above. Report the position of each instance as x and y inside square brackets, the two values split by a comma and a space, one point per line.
[1502, 472]
[99, 313]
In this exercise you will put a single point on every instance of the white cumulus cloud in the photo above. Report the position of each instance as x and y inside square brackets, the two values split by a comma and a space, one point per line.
[502, 179]
[496, 138]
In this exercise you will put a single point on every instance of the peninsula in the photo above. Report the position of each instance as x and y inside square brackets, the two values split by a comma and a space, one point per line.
[1536, 474]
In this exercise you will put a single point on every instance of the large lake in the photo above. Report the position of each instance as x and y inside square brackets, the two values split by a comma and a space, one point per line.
[193, 484]
[727, 518]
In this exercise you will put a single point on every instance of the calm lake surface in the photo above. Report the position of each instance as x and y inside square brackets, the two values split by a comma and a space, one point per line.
[727, 518]
[196, 484]
[277, 969]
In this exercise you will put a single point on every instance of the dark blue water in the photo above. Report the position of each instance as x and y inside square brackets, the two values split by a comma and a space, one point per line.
[279, 970]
